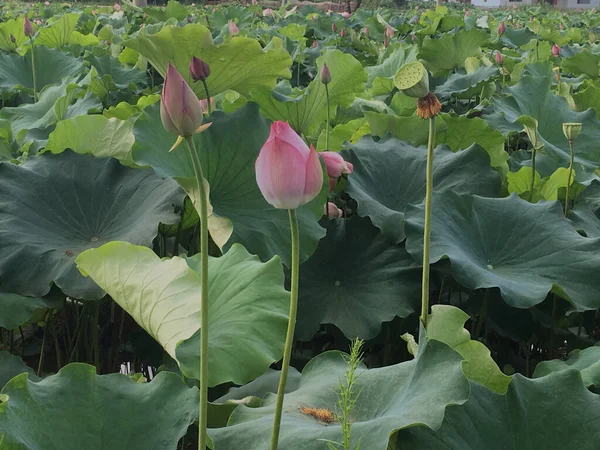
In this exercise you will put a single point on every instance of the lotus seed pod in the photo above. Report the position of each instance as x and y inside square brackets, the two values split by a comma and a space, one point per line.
[412, 79]
[572, 130]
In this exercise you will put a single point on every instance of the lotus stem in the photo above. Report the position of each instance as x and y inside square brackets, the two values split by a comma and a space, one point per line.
[289, 339]
[532, 175]
[427, 226]
[571, 143]
[328, 118]
[35, 96]
[207, 97]
[202, 200]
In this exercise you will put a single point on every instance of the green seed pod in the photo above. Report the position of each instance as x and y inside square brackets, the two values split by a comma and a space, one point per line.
[412, 79]
[571, 130]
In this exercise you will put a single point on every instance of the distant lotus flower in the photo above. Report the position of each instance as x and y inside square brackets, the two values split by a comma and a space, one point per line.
[501, 29]
[199, 70]
[467, 13]
[315, 44]
[204, 105]
[288, 172]
[334, 27]
[233, 29]
[556, 50]
[267, 12]
[499, 58]
[366, 31]
[332, 211]
[343, 32]
[94, 12]
[336, 166]
[47, 3]
[346, 15]
[180, 110]
[117, 7]
[389, 32]
[325, 74]
[27, 27]
[254, 2]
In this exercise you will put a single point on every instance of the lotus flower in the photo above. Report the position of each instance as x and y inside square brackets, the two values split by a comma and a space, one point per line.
[556, 50]
[27, 27]
[501, 29]
[199, 70]
[288, 172]
[499, 58]
[336, 167]
[315, 44]
[117, 7]
[180, 109]
[204, 105]
[267, 12]
[346, 15]
[334, 27]
[332, 211]
[343, 32]
[389, 32]
[325, 74]
[366, 31]
[233, 29]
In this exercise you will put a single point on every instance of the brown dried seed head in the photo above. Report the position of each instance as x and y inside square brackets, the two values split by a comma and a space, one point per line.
[428, 106]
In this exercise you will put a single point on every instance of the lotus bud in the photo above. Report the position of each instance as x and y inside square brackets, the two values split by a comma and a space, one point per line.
[180, 109]
[117, 7]
[332, 211]
[334, 27]
[336, 167]
[467, 13]
[343, 32]
[233, 29]
[325, 74]
[199, 70]
[27, 27]
[501, 29]
[315, 44]
[556, 50]
[346, 15]
[499, 58]
[366, 31]
[572, 130]
[288, 172]
[389, 32]
[412, 79]
[267, 12]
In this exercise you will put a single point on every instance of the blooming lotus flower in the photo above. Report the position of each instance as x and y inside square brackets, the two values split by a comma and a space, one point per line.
[556, 50]
[27, 27]
[288, 172]
[389, 32]
[267, 12]
[332, 211]
[233, 29]
[346, 15]
[499, 58]
[336, 167]
[180, 109]
[117, 7]
[501, 29]
[199, 70]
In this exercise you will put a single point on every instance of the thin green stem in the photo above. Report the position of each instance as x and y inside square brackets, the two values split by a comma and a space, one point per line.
[570, 175]
[35, 96]
[41, 360]
[289, 339]
[202, 201]
[427, 229]
[532, 175]
[207, 99]
[328, 119]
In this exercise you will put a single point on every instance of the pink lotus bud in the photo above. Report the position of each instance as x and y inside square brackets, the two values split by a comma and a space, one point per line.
[204, 105]
[346, 15]
[389, 32]
[386, 42]
[467, 13]
[334, 27]
[315, 44]
[117, 7]
[556, 50]
[325, 74]
[336, 166]
[332, 211]
[343, 32]
[27, 27]
[267, 12]
[366, 31]
[501, 29]
[180, 109]
[288, 172]
[233, 29]
[499, 58]
[199, 70]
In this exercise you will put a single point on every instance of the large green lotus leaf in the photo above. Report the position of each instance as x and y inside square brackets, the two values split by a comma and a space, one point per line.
[58, 33]
[450, 51]
[413, 393]
[11, 366]
[240, 65]
[459, 83]
[247, 315]
[308, 111]
[389, 175]
[554, 412]
[532, 96]
[457, 132]
[95, 135]
[55, 206]
[107, 412]
[381, 76]
[445, 324]
[14, 28]
[583, 63]
[526, 250]
[585, 220]
[587, 362]
[15, 309]
[227, 151]
[16, 72]
[356, 280]
[121, 76]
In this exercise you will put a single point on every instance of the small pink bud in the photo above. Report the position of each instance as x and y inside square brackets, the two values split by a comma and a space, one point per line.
[346, 15]
[366, 31]
[334, 27]
[499, 58]
[325, 74]
[501, 29]
[199, 70]
[332, 211]
[343, 32]
[180, 110]
[204, 105]
[315, 44]
[288, 172]
[336, 166]
[467, 13]
[233, 29]
[556, 50]
[27, 27]
[267, 12]
[117, 7]
[389, 32]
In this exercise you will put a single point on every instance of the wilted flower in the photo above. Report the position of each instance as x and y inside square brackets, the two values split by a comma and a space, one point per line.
[233, 29]
[325, 74]
[47, 3]
[336, 167]
[501, 29]
[199, 69]
[556, 50]
[27, 27]
[332, 211]
[254, 2]
[499, 58]
[288, 172]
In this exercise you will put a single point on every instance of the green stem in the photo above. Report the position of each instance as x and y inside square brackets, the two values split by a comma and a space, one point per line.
[328, 119]
[532, 175]
[41, 360]
[207, 99]
[202, 200]
[427, 230]
[289, 339]
[570, 175]
[35, 96]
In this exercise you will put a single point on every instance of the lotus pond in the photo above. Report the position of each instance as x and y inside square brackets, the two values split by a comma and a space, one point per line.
[390, 216]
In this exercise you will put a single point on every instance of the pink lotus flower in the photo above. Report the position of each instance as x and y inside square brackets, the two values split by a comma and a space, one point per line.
[343, 32]
[332, 211]
[254, 2]
[288, 172]
[499, 58]
[346, 15]
[233, 29]
[180, 110]
[501, 29]
[117, 7]
[467, 13]
[336, 167]
[94, 12]
[27, 27]
[556, 50]
[389, 32]
[204, 105]
[366, 31]
[315, 44]
[267, 12]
